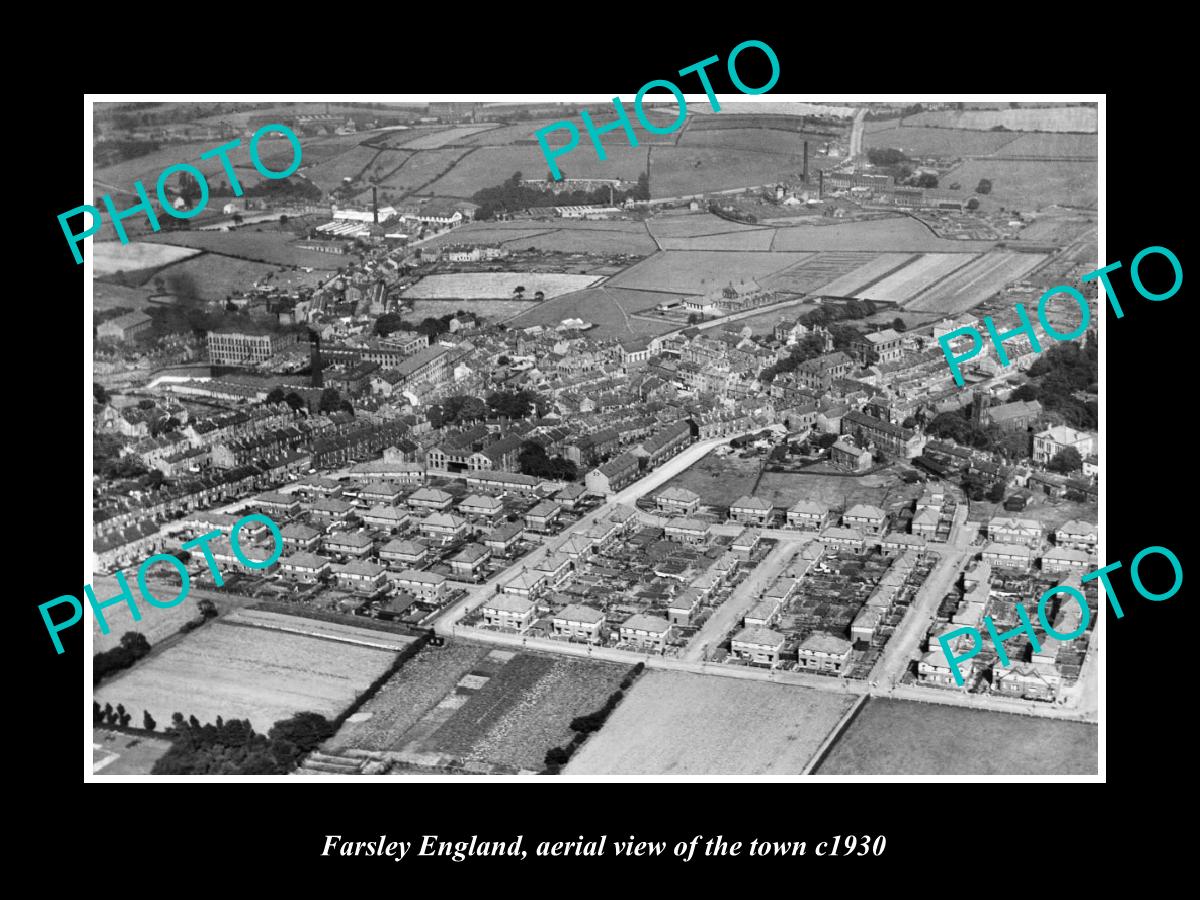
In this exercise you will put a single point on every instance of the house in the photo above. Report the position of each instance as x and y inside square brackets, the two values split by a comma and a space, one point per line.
[541, 517]
[683, 608]
[431, 499]
[845, 455]
[1077, 535]
[502, 539]
[613, 475]
[1015, 415]
[892, 439]
[849, 538]
[1011, 556]
[751, 510]
[866, 623]
[405, 553]
[361, 575]
[1013, 530]
[760, 646]
[299, 537]
[898, 542]
[677, 501]
[386, 517]
[304, 567]
[483, 506]
[277, 504]
[526, 584]
[556, 567]
[379, 492]
[925, 523]
[349, 543]
[864, 518]
[508, 611]
[1049, 443]
[934, 669]
[880, 347]
[781, 590]
[426, 585]
[686, 531]
[469, 561]
[570, 495]
[330, 509]
[823, 653]
[745, 542]
[578, 621]
[762, 614]
[125, 327]
[1066, 559]
[443, 526]
[645, 631]
[807, 515]
[1030, 681]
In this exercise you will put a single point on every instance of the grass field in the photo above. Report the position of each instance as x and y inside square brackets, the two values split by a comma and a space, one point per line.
[491, 165]
[247, 673]
[606, 308]
[420, 170]
[938, 141]
[916, 276]
[752, 140]
[495, 285]
[699, 271]
[898, 737]
[1028, 186]
[586, 240]
[117, 753]
[277, 247]
[1051, 145]
[741, 239]
[156, 624]
[213, 277]
[856, 280]
[690, 224]
[973, 283]
[837, 492]
[897, 233]
[108, 296]
[816, 270]
[718, 481]
[492, 310]
[682, 171]
[444, 136]
[112, 256]
[675, 723]
[1065, 118]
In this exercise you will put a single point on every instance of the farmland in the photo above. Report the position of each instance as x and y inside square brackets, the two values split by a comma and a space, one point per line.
[1063, 145]
[112, 256]
[491, 165]
[463, 702]
[240, 672]
[1064, 118]
[682, 171]
[815, 271]
[275, 247]
[973, 283]
[419, 169]
[675, 723]
[601, 241]
[891, 737]
[753, 140]
[741, 239]
[700, 271]
[495, 285]
[493, 310]
[676, 225]
[444, 137]
[155, 624]
[894, 233]
[915, 277]
[852, 282]
[1028, 185]
[489, 233]
[116, 753]
[938, 141]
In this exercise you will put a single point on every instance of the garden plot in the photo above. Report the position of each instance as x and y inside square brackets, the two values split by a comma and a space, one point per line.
[974, 282]
[913, 278]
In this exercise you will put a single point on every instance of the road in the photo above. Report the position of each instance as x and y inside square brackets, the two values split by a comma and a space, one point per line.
[856, 134]
[731, 611]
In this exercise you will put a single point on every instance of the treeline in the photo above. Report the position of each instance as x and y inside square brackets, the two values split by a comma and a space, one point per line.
[235, 748]
[430, 325]
[557, 757]
[462, 409]
[511, 196]
[133, 647]
[1057, 375]
[533, 460]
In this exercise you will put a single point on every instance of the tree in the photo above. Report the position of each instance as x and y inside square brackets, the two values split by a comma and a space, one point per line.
[294, 400]
[276, 395]
[1066, 461]
[110, 715]
[97, 713]
[122, 716]
[973, 203]
[100, 393]
[189, 189]
[642, 192]
[984, 186]
[237, 218]
[898, 324]
[927, 180]
[387, 323]
[135, 642]
[825, 441]
[503, 360]
[208, 609]
[145, 404]
[330, 400]
[996, 492]
[148, 722]
[692, 319]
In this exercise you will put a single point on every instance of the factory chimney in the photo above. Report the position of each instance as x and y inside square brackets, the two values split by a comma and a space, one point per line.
[314, 356]
[806, 163]
[820, 184]
[375, 203]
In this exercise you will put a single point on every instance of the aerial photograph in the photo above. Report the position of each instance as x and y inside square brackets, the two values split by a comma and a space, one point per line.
[757, 447]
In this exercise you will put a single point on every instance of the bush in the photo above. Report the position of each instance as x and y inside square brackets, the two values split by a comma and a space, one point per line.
[132, 648]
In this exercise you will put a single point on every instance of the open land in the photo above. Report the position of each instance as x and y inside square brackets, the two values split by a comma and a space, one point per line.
[607, 308]
[676, 723]
[495, 285]
[1066, 118]
[915, 277]
[1030, 185]
[117, 753]
[239, 672]
[835, 491]
[699, 271]
[973, 283]
[276, 247]
[112, 256]
[893, 737]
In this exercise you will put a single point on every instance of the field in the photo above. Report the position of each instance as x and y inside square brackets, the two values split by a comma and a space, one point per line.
[495, 285]
[214, 277]
[741, 239]
[974, 282]
[348, 163]
[754, 140]
[1028, 186]
[816, 271]
[606, 308]
[603, 241]
[490, 165]
[683, 171]
[700, 271]
[897, 737]
[247, 673]
[851, 283]
[116, 753]
[676, 225]
[766, 322]
[915, 277]
[108, 296]
[718, 481]
[1066, 118]
[419, 170]
[1063, 145]
[263, 246]
[333, 631]
[836, 491]
[675, 723]
[492, 310]
[938, 141]
[442, 137]
[488, 233]
[896, 233]
[474, 705]
[112, 256]
[156, 624]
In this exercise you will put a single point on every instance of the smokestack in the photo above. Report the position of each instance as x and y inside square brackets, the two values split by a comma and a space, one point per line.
[375, 203]
[314, 356]
[806, 163]
[820, 184]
